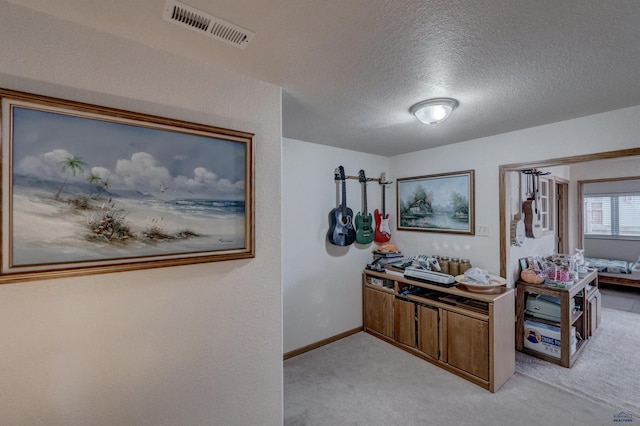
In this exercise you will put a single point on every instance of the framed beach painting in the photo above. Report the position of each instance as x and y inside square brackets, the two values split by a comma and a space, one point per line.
[437, 203]
[89, 189]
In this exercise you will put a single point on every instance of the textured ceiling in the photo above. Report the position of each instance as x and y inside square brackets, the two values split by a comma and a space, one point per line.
[351, 69]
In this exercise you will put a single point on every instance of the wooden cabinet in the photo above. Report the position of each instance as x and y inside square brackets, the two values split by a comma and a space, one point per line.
[594, 311]
[585, 319]
[428, 331]
[404, 322]
[378, 310]
[467, 343]
[469, 334]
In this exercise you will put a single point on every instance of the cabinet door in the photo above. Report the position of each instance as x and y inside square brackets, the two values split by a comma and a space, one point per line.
[378, 311]
[404, 322]
[595, 312]
[468, 344]
[428, 335]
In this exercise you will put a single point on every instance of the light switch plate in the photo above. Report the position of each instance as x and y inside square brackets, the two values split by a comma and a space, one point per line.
[482, 230]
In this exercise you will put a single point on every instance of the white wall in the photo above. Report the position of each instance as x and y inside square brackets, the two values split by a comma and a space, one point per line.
[173, 346]
[317, 276]
[607, 169]
[604, 132]
[322, 292]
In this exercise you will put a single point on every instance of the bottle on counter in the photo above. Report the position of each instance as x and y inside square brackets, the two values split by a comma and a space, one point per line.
[444, 264]
[464, 265]
[454, 266]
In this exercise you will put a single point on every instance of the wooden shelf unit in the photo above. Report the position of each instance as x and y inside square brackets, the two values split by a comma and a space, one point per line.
[586, 320]
[467, 333]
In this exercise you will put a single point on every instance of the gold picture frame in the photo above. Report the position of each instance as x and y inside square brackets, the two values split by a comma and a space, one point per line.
[437, 203]
[88, 189]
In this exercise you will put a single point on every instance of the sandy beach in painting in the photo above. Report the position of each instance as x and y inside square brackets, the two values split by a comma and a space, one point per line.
[46, 230]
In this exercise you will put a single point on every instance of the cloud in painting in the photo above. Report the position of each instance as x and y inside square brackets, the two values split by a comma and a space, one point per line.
[48, 165]
[204, 180]
[102, 172]
[142, 172]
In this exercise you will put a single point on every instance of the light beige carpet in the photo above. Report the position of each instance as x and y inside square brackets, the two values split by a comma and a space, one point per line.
[608, 369]
[361, 380]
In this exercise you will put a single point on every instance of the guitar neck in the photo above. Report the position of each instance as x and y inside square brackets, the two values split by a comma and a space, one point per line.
[344, 197]
[364, 195]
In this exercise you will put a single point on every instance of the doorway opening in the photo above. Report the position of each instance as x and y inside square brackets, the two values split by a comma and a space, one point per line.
[505, 226]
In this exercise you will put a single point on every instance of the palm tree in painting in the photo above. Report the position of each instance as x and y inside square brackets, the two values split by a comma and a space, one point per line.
[71, 165]
[99, 182]
[104, 185]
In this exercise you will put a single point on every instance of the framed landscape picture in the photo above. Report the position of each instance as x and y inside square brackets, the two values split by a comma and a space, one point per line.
[437, 203]
[88, 189]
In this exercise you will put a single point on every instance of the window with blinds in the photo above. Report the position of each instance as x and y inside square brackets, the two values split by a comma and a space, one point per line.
[612, 209]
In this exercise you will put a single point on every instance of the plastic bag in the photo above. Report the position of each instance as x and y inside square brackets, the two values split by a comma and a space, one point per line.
[477, 275]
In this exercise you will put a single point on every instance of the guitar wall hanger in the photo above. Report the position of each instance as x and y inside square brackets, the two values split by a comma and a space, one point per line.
[358, 177]
[535, 172]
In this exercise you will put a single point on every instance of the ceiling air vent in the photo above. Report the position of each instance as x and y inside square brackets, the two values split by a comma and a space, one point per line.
[203, 23]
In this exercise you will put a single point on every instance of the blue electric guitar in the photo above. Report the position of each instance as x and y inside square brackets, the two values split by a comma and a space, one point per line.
[341, 231]
[364, 220]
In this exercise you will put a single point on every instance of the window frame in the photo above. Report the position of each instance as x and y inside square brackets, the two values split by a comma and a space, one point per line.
[613, 219]
[581, 219]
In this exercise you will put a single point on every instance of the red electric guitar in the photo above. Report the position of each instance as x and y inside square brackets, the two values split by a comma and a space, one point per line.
[382, 233]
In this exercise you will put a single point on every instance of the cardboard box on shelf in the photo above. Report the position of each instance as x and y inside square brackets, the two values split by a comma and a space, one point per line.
[545, 338]
[382, 282]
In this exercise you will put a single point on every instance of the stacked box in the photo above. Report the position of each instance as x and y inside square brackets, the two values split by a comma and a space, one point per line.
[382, 282]
[545, 338]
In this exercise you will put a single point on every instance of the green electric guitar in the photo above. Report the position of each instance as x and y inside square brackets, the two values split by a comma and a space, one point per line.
[364, 221]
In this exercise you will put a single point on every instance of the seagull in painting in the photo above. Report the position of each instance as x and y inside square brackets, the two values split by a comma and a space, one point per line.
[163, 188]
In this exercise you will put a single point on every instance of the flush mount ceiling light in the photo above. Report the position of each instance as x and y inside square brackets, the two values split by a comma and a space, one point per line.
[434, 111]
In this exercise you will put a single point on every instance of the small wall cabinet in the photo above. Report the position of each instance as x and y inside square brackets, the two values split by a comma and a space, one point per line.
[469, 334]
[585, 317]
